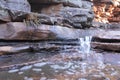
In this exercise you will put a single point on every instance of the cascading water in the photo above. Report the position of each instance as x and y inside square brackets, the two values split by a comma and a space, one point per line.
[85, 45]
[89, 58]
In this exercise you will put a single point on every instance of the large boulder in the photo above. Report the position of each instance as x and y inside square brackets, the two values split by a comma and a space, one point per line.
[71, 13]
[10, 10]
[76, 17]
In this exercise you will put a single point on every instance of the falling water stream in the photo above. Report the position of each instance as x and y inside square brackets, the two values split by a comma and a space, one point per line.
[72, 63]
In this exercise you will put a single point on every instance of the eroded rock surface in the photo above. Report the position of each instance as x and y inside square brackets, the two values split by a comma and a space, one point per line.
[108, 40]
[12, 9]
[71, 13]
[19, 31]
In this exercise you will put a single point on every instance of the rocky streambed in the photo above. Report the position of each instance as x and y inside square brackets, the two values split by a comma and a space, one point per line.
[58, 60]
[40, 41]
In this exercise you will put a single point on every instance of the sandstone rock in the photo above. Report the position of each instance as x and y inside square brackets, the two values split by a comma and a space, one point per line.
[107, 40]
[19, 31]
[76, 17]
[108, 35]
[12, 9]
[107, 46]
[11, 49]
[72, 3]
[4, 15]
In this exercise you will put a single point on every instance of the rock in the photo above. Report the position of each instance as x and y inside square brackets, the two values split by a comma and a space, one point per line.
[76, 17]
[4, 15]
[13, 49]
[10, 10]
[108, 35]
[107, 40]
[72, 3]
[107, 46]
[70, 13]
[19, 31]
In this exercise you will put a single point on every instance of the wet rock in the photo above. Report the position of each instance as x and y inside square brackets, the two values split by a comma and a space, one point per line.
[26, 68]
[40, 64]
[36, 69]
[11, 10]
[13, 71]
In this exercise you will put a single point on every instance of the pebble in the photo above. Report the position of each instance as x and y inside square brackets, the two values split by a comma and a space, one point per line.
[13, 71]
[20, 73]
[43, 78]
[114, 73]
[40, 64]
[51, 79]
[37, 70]
[26, 68]
[69, 73]
[26, 78]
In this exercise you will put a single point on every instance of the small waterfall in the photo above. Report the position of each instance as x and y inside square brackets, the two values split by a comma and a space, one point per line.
[89, 58]
[85, 44]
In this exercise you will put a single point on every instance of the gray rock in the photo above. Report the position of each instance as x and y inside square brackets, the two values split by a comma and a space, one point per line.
[108, 35]
[19, 31]
[76, 17]
[72, 3]
[107, 46]
[12, 9]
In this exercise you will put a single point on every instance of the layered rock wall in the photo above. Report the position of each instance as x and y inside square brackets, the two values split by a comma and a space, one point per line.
[73, 14]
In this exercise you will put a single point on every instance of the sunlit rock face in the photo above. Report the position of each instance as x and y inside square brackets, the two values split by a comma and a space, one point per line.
[10, 10]
[70, 13]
